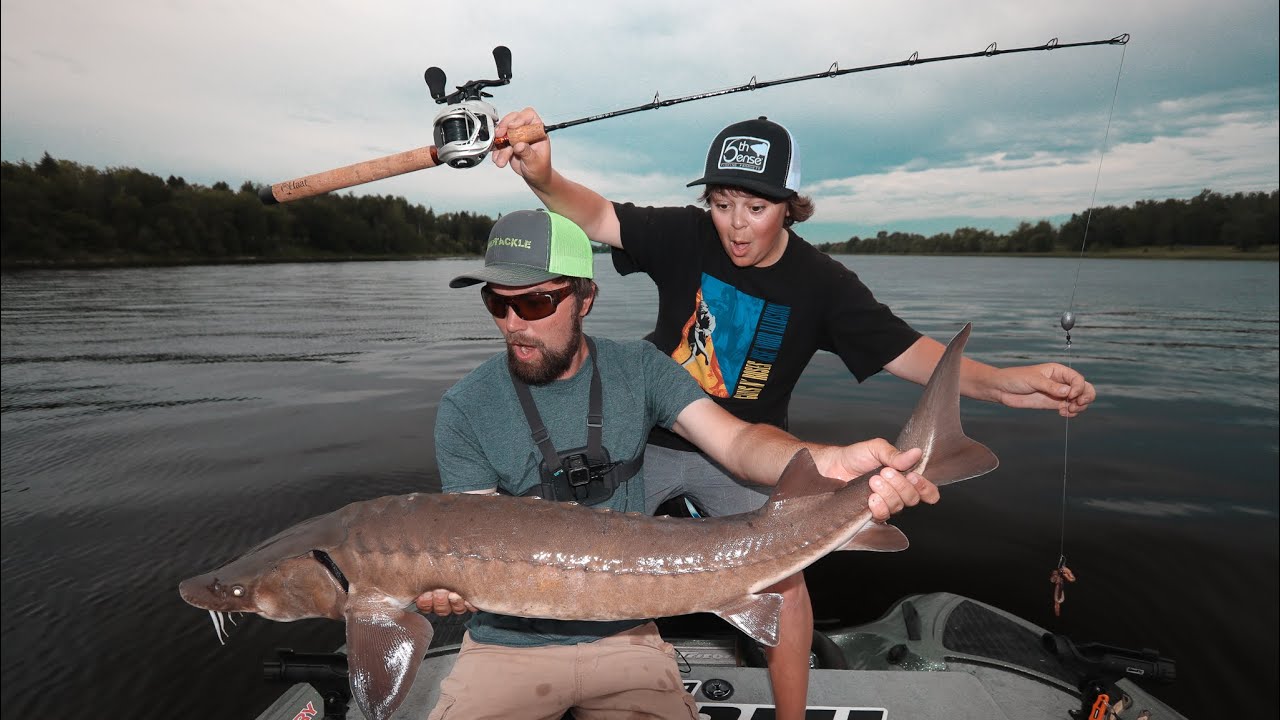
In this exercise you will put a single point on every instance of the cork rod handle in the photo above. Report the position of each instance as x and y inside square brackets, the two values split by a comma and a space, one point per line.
[378, 169]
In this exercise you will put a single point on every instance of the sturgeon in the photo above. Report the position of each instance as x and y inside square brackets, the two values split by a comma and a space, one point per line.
[366, 563]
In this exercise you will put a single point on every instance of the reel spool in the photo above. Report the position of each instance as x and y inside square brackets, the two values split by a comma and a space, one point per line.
[463, 130]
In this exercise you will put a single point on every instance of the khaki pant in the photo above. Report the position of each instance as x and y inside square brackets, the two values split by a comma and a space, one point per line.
[630, 675]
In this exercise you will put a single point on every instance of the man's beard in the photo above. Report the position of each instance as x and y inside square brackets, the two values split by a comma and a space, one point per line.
[553, 364]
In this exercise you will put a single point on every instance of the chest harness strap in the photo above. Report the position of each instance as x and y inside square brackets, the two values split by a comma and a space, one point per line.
[584, 475]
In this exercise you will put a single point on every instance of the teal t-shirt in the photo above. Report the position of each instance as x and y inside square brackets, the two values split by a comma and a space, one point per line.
[483, 442]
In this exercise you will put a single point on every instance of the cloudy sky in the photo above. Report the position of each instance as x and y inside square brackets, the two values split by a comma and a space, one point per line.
[269, 91]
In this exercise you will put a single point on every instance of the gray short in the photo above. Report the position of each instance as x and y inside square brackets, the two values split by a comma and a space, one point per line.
[670, 473]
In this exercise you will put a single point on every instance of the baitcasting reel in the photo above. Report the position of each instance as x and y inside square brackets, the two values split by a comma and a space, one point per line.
[464, 129]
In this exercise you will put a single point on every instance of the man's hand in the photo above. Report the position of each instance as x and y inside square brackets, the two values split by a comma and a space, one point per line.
[894, 487]
[1048, 386]
[530, 161]
[443, 602]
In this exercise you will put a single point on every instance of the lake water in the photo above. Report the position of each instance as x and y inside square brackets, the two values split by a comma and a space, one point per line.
[157, 422]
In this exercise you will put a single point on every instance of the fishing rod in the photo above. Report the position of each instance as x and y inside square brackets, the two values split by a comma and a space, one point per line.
[464, 130]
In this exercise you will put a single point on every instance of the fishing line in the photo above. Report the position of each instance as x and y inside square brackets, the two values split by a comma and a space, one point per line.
[1098, 177]
[1062, 573]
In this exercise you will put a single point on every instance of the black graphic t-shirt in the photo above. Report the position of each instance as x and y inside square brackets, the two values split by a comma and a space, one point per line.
[747, 334]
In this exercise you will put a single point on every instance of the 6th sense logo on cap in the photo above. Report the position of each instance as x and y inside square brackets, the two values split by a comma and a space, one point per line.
[743, 153]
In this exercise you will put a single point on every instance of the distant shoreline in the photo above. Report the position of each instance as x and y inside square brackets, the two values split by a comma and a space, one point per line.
[1206, 252]
[1269, 253]
[143, 262]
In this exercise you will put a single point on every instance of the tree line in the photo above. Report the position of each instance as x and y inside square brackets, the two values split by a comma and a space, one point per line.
[60, 212]
[1244, 221]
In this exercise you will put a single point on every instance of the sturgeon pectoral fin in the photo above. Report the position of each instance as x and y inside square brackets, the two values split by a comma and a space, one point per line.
[880, 537]
[755, 615]
[384, 648]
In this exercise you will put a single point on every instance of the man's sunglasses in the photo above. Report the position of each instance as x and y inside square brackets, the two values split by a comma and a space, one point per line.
[529, 306]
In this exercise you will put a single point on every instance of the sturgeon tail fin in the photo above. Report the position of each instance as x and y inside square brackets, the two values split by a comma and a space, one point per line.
[934, 426]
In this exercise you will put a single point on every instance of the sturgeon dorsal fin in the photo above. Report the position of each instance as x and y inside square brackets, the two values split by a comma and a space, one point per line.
[755, 615]
[879, 537]
[801, 478]
[385, 646]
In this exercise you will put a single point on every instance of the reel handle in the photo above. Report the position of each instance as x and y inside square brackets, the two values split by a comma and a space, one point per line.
[377, 169]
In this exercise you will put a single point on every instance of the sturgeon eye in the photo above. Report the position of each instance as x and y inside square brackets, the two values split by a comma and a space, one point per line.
[237, 590]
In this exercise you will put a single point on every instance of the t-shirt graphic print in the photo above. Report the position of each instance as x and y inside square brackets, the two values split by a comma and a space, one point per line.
[731, 339]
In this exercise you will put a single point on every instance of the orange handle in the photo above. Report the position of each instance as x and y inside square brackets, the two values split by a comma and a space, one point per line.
[383, 167]
[1099, 709]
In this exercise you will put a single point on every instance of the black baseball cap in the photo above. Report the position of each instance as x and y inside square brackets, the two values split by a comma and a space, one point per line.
[759, 156]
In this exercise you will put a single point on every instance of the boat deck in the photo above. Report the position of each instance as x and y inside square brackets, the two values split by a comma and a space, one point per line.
[931, 657]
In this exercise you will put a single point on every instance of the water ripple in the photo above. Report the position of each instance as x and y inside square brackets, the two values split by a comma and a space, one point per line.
[156, 422]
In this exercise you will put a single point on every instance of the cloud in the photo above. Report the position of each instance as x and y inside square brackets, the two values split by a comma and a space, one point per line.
[1237, 151]
[234, 92]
